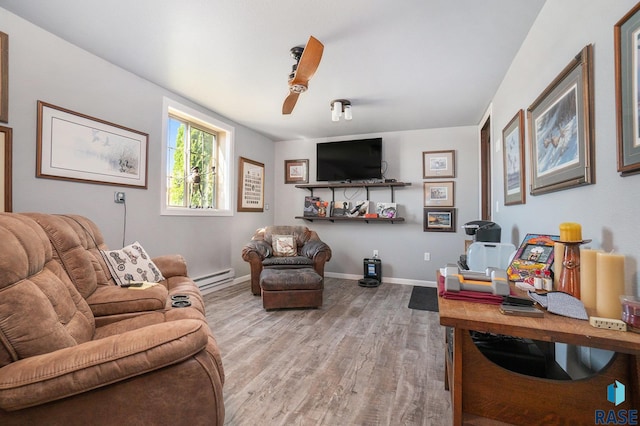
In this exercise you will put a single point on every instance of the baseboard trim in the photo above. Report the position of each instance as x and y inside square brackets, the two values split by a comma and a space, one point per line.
[390, 280]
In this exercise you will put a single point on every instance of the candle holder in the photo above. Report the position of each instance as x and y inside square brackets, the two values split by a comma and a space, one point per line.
[569, 281]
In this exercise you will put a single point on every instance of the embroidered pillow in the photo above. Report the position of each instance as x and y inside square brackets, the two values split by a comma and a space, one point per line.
[132, 263]
[284, 245]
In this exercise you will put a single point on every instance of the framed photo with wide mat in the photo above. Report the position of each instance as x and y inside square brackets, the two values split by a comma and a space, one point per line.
[561, 129]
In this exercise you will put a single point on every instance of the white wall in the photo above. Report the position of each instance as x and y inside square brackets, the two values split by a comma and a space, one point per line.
[608, 210]
[401, 245]
[44, 67]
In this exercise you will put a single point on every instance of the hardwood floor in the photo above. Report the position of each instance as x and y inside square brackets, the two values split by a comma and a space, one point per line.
[364, 358]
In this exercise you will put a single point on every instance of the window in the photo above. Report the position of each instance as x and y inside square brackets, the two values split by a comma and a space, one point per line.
[197, 163]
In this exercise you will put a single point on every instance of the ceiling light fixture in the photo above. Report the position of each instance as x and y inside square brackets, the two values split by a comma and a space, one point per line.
[339, 108]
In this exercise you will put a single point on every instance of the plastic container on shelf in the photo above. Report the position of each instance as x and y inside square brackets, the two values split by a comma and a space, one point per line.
[631, 311]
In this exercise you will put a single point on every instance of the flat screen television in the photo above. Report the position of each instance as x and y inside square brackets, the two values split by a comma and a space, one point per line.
[352, 160]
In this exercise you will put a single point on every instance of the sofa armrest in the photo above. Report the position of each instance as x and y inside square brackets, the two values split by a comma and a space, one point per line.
[313, 248]
[260, 248]
[43, 378]
[255, 252]
[171, 265]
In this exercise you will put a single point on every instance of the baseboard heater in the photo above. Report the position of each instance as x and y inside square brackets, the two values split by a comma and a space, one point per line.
[211, 282]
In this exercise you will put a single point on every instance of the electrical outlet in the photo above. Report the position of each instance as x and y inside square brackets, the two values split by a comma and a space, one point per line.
[118, 197]
[375, 253]
[427, 256]
[608, 323]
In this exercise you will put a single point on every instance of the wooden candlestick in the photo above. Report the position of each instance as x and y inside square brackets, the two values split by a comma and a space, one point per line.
[569, 281]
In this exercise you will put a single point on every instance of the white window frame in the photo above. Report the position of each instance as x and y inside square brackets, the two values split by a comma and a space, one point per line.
[225, 137]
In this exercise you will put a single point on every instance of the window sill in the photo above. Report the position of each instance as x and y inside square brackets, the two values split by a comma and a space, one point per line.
[180, 211]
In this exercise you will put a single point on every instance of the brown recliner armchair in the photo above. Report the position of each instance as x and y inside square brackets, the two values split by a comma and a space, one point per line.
[58, 368]
[310, 252]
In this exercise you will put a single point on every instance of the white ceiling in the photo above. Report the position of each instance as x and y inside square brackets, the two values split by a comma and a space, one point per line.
[404, 64]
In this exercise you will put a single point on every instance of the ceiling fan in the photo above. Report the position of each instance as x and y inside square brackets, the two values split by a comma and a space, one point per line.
[307, 61]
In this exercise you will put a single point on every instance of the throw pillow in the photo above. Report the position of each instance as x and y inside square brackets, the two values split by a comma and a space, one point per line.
[284, 245]
[132, 263]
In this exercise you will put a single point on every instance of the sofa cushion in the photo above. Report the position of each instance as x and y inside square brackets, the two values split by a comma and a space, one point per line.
[34, 289]
[77, 243]
[132, 263]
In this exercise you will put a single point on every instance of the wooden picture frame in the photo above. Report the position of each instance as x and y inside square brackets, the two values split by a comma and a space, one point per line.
[4, 77]
[513, 160]
[561, 129]
[627, 66]
[250, 185]
[439, 193]
[296, 171]
[439, 219]
[5, 169]
[438, 164]
[76, 147]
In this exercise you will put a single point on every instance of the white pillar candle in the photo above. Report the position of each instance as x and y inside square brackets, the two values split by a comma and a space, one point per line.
[558, 257]
[609, 285]
[588, 273]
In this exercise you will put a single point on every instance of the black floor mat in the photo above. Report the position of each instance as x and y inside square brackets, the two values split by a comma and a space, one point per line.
[424, 299]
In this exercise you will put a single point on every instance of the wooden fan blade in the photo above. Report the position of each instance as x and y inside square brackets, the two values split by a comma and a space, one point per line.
[289, 103]
[309, 61]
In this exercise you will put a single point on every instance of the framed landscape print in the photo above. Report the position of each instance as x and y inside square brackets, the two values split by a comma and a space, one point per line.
[627, 69]
[561, 129]
[513, 156]
[439, 193]
[296, 171]
[75, 147]
[250, 186]
[439, 219]
[438, 164]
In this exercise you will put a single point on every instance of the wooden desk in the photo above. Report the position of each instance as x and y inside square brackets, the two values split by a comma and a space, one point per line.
[480, 387]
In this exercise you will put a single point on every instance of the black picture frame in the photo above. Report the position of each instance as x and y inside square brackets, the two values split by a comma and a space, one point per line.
[439, 219]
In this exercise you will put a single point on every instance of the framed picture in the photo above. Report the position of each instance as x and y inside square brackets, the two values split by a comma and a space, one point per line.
[513, 156]
[4, 77]
[75, 147]
[250, 186]
[438, 164]
[627, 66]
[439, 193]
[438, 219]
[5, 169]
[561, 129]
[296, 171]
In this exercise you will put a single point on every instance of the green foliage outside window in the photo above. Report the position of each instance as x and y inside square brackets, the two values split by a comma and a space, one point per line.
[192, 166]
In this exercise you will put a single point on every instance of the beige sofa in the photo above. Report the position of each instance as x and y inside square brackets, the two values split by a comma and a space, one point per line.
[77, 349]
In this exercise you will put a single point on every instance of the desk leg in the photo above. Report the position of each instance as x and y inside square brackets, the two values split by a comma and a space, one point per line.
[456, 386]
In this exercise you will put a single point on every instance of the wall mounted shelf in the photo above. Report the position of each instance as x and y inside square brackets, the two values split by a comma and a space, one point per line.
[367, 186]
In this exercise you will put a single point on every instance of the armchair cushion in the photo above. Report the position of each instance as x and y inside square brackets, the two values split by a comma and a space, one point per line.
[288, 262]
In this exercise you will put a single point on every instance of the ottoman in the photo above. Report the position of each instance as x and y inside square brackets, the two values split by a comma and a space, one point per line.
[291, 288]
